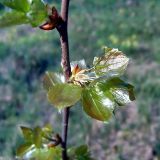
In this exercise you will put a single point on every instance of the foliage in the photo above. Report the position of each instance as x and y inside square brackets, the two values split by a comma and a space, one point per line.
[99, 87]
[23, 12]
[37, 144]
[40, 144]
[132, 28]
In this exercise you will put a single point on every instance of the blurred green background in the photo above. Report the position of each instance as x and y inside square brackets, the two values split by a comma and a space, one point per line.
[133, 26]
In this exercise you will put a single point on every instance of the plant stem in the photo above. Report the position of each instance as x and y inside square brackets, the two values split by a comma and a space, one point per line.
[65, 62]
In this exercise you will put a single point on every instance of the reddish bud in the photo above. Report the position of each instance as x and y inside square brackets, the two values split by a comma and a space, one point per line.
[47, 26]
[54, 20]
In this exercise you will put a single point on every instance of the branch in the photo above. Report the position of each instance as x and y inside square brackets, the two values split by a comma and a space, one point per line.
[65, 62]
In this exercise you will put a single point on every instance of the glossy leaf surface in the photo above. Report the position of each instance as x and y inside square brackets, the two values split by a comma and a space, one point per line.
[97, 104]
[47, 153]
[100, 100]
[113, 60]
[122, 92]
[51, 78]
[64, 95]
[44, 153]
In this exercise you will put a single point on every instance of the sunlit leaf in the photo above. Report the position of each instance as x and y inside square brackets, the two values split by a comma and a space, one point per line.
[38, 13]
[97, 104]
[38, 149]
[122, 92]
[51, 78]
[113, 60]
[23, 149]
[19, 5]
[27, 133]
[64, 95]
[13, 18]
[45, 153]
[110, 75]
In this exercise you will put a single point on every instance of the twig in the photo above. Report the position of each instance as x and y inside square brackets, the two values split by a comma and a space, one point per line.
[65, 62]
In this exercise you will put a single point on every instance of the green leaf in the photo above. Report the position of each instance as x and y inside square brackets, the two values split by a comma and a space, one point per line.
[64, 95]
[37, 138]
[45, 153]
[51, 78]
[19, 5]
[37, 153]
[27, 133]
[110, 75]
[37, 148]
[23, 149]
[38, 13]
[13, 18]
[98, 104]
[122, 92]
[24, 12]
[113, 61]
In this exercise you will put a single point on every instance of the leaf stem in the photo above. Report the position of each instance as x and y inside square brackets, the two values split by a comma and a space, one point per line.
[65, 62]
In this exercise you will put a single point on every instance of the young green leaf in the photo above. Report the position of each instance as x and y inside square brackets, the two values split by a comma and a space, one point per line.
[23, 149]
[97, 104]
[47, 154]
[122, 92]
[38, 13]
[113, 60]
[64, 95]
[44, 153]
[19, 5]
[13, 18]
[38, 148]
[27, 133]
[51, 78]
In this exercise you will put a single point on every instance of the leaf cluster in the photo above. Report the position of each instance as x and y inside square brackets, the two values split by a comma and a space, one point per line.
[37, 144]
[32, 12]
[99, 88]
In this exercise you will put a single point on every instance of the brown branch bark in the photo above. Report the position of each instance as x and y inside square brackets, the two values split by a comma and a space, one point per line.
[65, 62]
